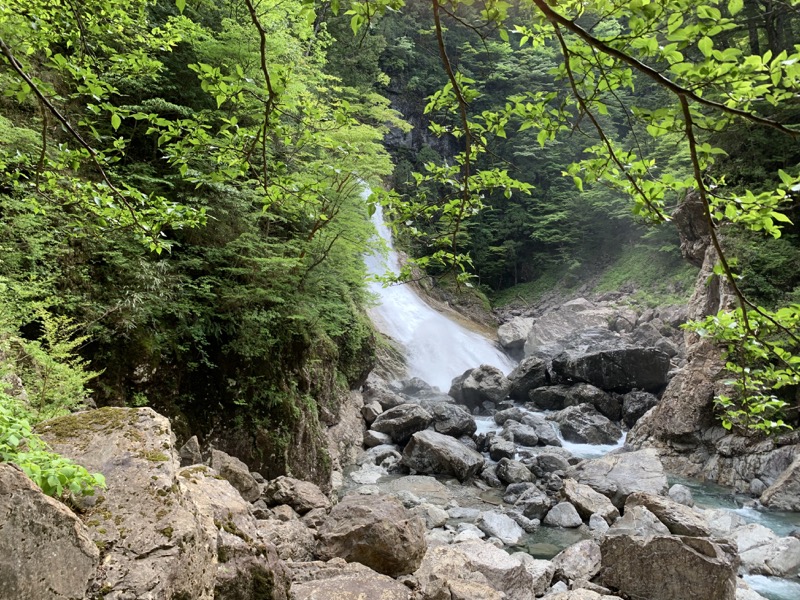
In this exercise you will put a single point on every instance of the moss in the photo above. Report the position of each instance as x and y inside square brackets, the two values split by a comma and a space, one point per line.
[230, 527]
[189, 473]
[93, 523]
[154, 456]
[167, 532]
[101, 545]
[222, 556]
[79, 424]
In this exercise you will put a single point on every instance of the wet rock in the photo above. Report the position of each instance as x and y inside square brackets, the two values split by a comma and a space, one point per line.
[235, 471]
[434, 453]
[529, 374]
[339, 580]
[681, 494]
[302, 496]
[500, 448]
[621, 369]
[520, 434]
[551, 331]
[533, 503]
[479, 385]
[432, 515]
[45, 550]
[784, 494]
[529, 525]
[503, 527]
[588, 502]
[376, 389]
[686, 567]
[679, 519]
[376, 531]
[190, 452]
[583, 424]
[453, 420]
[619, 475]
[553, 397]
[578, 561]
[401, 422]
[635, 404]
[547, 462]
[414, 386]
[512, 335]
[489, 476]
[584, 393]
[512, 471]
[762, 552]
[563, 514]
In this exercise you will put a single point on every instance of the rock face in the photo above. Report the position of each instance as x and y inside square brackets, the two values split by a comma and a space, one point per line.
[620, 369]
[585, 425]
[154, 542]
[46, 552]
[376, 531]
[618, 476]
[635, 404]
[339, 580]
[302, 496]
[512, 335]
[529, 374]
[235, 471]
[401, 422]
[548, 334]
[483, 384]
[431, 452]
[784, 494]
[665, 567]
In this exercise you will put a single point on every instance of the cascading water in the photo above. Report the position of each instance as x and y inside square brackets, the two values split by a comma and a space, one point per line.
[437, 349]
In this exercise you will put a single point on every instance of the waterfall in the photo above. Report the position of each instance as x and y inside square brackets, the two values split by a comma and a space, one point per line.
[437, 349]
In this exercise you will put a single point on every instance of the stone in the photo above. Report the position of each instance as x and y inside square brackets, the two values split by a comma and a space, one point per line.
[784, 494]
[529, 525]
[638, 521]
[764, 553]
[370, 411]
[190, 452]
[292, 539]
[529, 374]
[378, 390]
[337, 580]
[552, 397]
[512, 471]
[578, 561]
[376, 438]
[666, 567]
[414, 386]
[545, 430]
[635, 404]
[583, 424]
[453, 420]
[154, 539]
[598, 524]
[563, 514]
[541, 571]
[681, 494]
[608, 405]
[344, 434]
[476, 562]
[621, 369]
[479, 385]
[401, 422]
[433, 453]
[235, 471]
[502, 527]
[679, 519]
[581, 594]
[522, 435]
[619, 475]
[376, 531]
[302, 496]
[512, 335]
[432, 515]
[284, 512]
[46, 552]
[533, 503]
[550, 332]
[589, 502]
[500, 448]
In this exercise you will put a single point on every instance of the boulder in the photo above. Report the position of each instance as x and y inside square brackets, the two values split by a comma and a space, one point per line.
[339, 580]
[376, 389]
[479, 385]
[370, 411]
[292, 539]
[619, 475]
[609, 405]
[529, 374]
[621, 369]
[784, 494]
[563, 514]
[679, 519]
[401, 422]
[764, 553]
[190, 452]
[583, 424]
[544, 429]
[155, 542]
[46, 552]
[474, 563]
[522, 435]
[302, 496]
[681, 494]
[512, 471]
[503, 527]
[635, 404]
[578, 561]
[432, 515]
[541, 570]
[500, 448]
[588, 502]
[512, 335]
[376, 531]
[434, 453]
[376, 438]
[552, 397]
[581, 594]
[453, 420]
[550, 332]
[533, 503]
[666, 567]
[235, 471]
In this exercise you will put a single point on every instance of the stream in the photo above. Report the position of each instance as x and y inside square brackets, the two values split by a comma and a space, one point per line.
[437, 349]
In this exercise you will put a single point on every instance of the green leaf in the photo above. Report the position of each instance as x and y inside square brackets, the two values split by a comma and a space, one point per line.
[705, 45]
[734, 6]
[181, 4]
[116, 121]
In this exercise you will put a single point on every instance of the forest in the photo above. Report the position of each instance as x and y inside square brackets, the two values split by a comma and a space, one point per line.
[181, 212]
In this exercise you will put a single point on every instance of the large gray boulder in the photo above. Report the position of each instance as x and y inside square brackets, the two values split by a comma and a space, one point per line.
[762, 552]
[589, 502]
[340, 580]
[551, 397]
[619, 475]
[635, 404]
[609, 405]
[512, 471]
[550, 332]
[512, 335]
[621, 369]
[453, 420]
[533, 503]
[784, 494]
[235, 471]
[679, 519]
[529, 374]
[578, 561]
[503, 527]
[401, 422]
[46, 552]
[302, 496]
[434, 453]
[482, 384]
[563, 514]
[376, 531]
[583, 424]
[521, 435]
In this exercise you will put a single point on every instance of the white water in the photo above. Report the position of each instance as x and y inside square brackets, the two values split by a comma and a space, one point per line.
[437, 349]
[591, 450]
[774, 588]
